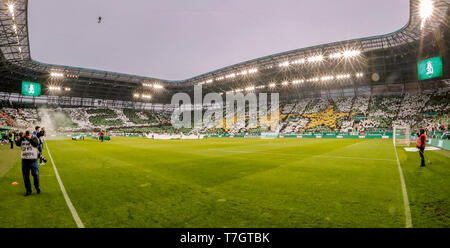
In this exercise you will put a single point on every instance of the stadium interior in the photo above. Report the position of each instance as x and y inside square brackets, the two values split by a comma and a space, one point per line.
[354, 89]
[373, 80]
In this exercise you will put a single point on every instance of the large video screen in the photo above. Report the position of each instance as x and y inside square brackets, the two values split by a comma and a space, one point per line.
[31, 89]
[430, 68]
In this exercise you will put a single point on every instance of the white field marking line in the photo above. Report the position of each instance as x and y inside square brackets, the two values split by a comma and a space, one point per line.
[408, 219]
[66, 197]
[293, 154]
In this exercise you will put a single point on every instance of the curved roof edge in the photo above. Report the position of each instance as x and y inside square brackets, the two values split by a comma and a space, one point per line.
[99, 74]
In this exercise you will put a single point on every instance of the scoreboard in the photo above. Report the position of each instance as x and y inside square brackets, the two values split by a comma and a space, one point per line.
[430, 68]
[31, 89]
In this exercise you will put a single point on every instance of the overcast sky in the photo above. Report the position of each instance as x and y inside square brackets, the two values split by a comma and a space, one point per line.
[179, 39]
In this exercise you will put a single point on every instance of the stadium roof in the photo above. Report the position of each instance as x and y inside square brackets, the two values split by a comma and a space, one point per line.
[18, 63]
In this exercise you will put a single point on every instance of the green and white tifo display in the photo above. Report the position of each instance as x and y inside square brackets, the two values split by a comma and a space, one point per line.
[31, 89]
[430, 68]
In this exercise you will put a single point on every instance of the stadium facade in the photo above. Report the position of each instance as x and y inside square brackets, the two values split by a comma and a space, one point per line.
[381, 64]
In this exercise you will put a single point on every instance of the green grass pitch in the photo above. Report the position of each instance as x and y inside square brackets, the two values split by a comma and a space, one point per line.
[137, 182]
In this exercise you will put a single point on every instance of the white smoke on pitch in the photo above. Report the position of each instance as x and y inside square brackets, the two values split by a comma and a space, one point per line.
[49, 119]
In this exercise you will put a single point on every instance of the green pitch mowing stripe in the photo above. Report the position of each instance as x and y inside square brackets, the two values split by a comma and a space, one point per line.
[45, 210]
[138, 182]
[8, 158]
[72, 209]
[408, 220]
[428, 187]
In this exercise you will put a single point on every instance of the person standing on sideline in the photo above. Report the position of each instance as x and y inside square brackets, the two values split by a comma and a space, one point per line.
[11, 138]
[421, 143]
[41, 136]
[30, 155]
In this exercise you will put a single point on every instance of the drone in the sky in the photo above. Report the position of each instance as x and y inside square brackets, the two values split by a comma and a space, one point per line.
[99, 19]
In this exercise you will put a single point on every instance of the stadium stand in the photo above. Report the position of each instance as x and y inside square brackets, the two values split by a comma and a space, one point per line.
[343, 114]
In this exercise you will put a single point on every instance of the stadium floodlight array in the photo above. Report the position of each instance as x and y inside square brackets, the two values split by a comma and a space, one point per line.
[142, 96]
[251, 88]
[284, 64]
[316, 79]
[344, 76]
[55, 74]
[154, 85]
[230, 76]
[426, 9]
[11, 10]
[317, 58]
[298, 61]
[298, 81]
[54, 88]
[287, 63]
[351, 53]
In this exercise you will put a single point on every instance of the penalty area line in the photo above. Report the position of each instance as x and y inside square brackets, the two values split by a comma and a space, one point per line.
[72, 209]
[408, 219]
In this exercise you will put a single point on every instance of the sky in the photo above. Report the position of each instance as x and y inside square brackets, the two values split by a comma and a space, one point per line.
[180, 39]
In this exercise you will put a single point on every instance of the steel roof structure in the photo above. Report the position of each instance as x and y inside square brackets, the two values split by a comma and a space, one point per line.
[385, 59]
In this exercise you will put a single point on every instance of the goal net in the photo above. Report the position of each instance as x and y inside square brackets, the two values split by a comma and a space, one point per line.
[401, 135]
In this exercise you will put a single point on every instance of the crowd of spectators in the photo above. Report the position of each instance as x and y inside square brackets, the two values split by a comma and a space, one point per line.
[346, 114]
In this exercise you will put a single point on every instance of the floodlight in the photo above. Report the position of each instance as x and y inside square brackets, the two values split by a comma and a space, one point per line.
[315, 58]
[426, 8]
[11, 8]
[298, 61]
[284, 64]
[54, 88]
[336, 55]
[351, 53]
[56, 74]
[232, 75]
